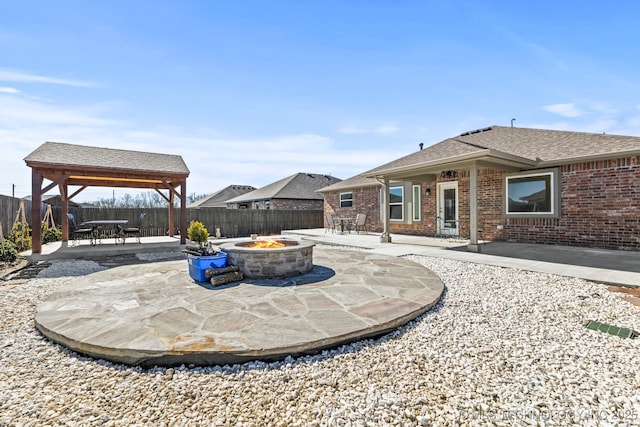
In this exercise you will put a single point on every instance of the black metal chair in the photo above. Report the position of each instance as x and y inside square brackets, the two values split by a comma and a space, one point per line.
[76, 233]
[135, 231]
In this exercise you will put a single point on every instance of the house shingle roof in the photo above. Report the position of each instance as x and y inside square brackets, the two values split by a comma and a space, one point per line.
[301, 186]
[59, 153]
[535, 147]
[218, 198]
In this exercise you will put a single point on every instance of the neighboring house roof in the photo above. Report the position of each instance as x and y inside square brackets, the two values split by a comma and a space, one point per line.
[218, 198]
[520, 147]
[59, 153]
[301, 186]
[53, 200]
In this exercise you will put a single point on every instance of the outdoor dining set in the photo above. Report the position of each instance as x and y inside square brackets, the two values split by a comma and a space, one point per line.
[342, 224]
[97, 230]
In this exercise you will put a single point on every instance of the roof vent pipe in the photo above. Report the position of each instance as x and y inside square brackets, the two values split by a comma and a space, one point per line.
[421, 145]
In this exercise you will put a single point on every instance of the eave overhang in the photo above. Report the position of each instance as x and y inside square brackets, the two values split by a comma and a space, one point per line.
[487, 158]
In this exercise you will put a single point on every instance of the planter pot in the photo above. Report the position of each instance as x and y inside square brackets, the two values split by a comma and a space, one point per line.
[199, 264]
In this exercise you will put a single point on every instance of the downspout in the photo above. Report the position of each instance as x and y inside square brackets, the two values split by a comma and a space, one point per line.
[386, 235]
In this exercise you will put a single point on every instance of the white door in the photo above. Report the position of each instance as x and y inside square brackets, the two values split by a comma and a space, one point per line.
[448, 208]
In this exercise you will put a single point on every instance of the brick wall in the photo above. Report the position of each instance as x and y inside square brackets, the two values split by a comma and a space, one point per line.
[296, 204]
[365, 200]
[600, 207]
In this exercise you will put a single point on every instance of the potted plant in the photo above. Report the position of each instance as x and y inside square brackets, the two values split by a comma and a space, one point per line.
[204, 255]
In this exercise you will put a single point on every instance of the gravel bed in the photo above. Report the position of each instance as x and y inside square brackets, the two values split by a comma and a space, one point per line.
[503, 347]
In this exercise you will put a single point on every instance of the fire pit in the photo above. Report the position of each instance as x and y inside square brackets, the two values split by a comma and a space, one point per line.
[270, 258]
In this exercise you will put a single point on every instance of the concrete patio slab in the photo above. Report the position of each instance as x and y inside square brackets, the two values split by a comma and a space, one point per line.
[155, 314]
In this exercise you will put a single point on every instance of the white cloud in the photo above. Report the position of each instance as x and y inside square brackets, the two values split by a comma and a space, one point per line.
[564, 110]
[22, 77]
[215, 161]
[12, 90]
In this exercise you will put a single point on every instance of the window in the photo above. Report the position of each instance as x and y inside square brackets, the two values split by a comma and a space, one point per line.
[396, 198]
[267, 204]
[532, 194]
[417, 204]
[346, 200]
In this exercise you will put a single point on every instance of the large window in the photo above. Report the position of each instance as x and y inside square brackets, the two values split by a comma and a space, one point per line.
[346, 200]
[417, 204]
[396, 199]
[532, 194]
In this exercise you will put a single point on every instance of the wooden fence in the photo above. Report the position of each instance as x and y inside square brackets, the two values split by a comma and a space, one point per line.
[229, 222]
[9, 208]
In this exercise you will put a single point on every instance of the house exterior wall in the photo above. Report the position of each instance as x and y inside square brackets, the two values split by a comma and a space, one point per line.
[365, 200]
[296, 204]
[600, 204]
[286, 204]
[600, 207]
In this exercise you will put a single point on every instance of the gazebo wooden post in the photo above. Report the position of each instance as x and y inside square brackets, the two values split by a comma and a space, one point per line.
[183, 212]
[36, 201]
[171, 202]
[64, 197]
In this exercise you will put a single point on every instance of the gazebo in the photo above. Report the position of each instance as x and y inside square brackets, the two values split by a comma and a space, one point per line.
[83, 166]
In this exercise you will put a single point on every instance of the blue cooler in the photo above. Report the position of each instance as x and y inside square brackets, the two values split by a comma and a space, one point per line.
[199, 264]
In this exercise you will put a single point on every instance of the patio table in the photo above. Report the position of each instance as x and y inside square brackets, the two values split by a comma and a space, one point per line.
[345, 222]
[100, 231]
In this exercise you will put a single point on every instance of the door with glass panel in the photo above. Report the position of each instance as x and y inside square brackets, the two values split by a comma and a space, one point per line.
[447, 222]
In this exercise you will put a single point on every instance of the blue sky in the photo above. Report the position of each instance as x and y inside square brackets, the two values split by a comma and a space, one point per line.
[249, 92]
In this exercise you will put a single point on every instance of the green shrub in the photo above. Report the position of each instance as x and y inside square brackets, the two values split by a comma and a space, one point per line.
[21, 236]
[8, 251]
[197, 232]
[50, 234]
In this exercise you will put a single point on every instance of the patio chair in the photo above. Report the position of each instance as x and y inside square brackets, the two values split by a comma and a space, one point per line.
[360, 223]
[76, 233]
[331, 224]
[135, 231]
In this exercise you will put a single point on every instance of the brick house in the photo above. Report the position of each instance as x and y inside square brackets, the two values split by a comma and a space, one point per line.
[505, 184]
[296, 192]
[217, 199]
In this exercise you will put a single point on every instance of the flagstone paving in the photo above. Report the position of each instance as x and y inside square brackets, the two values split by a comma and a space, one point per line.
[155, 314]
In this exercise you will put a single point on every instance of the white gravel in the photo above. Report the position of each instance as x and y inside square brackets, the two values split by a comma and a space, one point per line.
[503, 347]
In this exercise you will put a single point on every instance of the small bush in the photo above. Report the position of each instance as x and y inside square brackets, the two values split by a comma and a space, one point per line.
[8, 251]
[197, 232]
[21, 236]
[50, 234]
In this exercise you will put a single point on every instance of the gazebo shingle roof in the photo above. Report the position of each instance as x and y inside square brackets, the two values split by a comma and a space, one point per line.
[59, 153]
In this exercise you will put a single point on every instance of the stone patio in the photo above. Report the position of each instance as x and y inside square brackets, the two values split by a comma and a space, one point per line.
[155, 314]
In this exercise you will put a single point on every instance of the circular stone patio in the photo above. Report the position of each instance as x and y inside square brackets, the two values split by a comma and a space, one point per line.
[155, 314]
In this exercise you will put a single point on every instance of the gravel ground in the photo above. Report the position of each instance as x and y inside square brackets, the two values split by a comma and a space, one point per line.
[503, 347]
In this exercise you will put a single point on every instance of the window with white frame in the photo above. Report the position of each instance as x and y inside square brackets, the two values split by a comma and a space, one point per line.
[346, 200]
[532, 194]
[417, 204]
[396, 203]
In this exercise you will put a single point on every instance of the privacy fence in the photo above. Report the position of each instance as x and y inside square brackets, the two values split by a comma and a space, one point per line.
[228, 222]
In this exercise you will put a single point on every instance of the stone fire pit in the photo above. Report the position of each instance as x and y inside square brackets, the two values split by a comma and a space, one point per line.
[280, 258]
